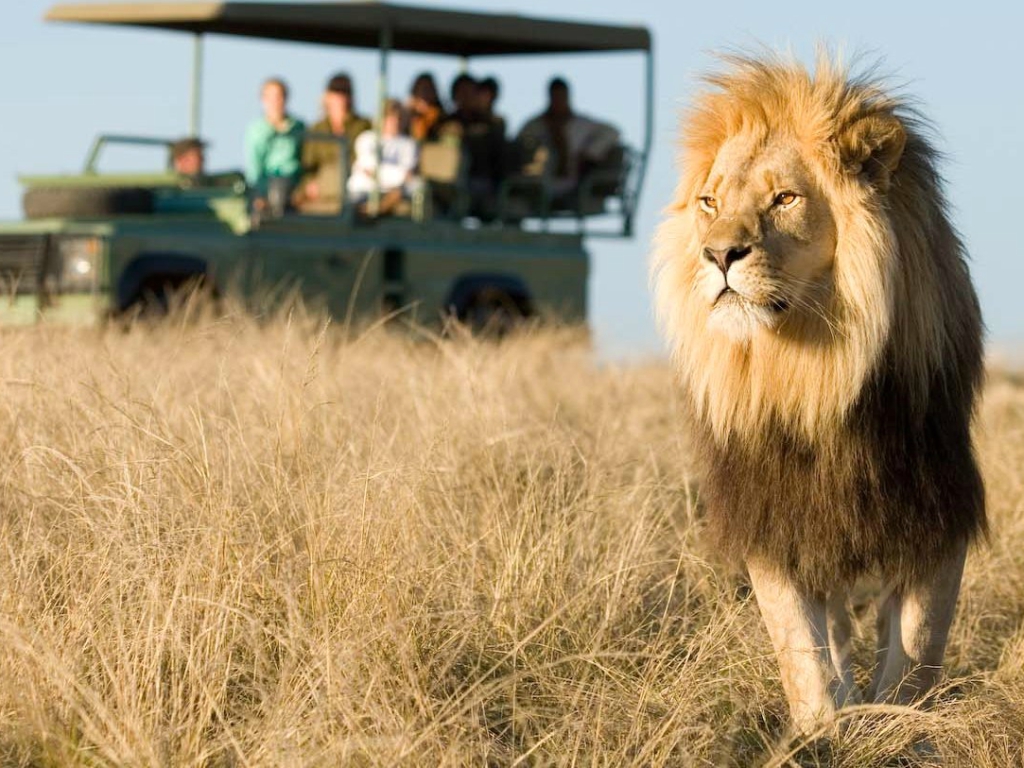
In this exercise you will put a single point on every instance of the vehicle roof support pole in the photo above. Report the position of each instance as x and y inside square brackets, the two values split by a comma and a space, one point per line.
[382, 97]
[196, 97]
[648, 137]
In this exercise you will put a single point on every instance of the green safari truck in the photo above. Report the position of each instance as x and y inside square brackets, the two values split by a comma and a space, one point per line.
[96, 245]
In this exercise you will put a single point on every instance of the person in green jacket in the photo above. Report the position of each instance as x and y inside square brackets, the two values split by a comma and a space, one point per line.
[321, 157]
[273, 145]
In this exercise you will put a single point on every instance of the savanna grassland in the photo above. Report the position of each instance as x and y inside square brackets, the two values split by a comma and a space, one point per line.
[230, 543]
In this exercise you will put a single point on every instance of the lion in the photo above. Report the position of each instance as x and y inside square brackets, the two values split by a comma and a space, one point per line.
[825, 329]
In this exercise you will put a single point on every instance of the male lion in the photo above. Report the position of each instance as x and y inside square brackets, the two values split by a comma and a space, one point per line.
[826, 331]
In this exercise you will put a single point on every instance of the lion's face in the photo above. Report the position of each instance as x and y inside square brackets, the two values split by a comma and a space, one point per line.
[767, 237]
[807, 249]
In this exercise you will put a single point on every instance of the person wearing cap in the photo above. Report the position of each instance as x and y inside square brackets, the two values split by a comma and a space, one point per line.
[187, 157]
[339, 120]
[188, 162]
[273, 144]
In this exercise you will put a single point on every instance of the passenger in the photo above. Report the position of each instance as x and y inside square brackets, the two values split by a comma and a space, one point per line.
[399, 157]
[578, 142]
[483, 139]
[465, 107]
[487, 91]
[273, 148]
[187, 157]
[424, 108]
[340, 120]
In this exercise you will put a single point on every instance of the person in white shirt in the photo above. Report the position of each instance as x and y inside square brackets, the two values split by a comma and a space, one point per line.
[399, 158]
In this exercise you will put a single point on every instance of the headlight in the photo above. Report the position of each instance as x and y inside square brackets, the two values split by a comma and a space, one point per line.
[79, 263]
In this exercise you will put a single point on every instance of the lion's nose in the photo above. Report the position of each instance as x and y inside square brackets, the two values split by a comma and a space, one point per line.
[726, 257]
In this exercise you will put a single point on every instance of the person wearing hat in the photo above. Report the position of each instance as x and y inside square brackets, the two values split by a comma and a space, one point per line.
[187, 157]
[322, 157]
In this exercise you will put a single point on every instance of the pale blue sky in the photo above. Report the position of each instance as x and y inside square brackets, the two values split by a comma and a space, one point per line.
[63, 84]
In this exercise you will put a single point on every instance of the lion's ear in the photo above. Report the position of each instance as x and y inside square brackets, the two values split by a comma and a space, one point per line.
[872, 148]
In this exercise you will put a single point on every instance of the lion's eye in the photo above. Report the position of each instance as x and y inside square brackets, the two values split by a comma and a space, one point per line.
[708, 204]
[785, 199]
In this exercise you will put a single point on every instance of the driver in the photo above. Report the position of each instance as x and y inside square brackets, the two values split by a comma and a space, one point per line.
[187, 157]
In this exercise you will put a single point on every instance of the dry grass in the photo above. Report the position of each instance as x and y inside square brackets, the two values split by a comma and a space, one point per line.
[231, 544]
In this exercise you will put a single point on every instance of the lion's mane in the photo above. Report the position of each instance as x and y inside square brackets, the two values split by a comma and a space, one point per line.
[837, 444]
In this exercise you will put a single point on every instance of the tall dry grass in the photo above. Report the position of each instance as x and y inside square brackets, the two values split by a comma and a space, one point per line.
[229, 544]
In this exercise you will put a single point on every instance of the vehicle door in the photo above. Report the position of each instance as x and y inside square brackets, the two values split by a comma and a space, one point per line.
[320, 259]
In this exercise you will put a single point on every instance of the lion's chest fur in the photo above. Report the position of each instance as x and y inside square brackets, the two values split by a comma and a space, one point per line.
[889, 492]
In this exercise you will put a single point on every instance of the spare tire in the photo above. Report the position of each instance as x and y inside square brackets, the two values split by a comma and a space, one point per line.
[52, 202]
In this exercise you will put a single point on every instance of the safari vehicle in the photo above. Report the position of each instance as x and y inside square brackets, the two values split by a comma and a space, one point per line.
[98, 244]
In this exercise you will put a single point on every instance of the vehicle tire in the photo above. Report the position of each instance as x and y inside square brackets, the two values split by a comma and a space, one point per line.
[59, 202]
[159, 295]
[494, 312]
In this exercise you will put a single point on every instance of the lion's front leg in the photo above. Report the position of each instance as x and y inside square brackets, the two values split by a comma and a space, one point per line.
[797, 623]
[913, 626]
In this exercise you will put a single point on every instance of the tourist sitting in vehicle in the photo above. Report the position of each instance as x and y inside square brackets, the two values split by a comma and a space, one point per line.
[487, 91]
[464, 107]
[484, 142]
[273, 148]
[578, 143]
[399, 156]
[321, 158]
[423, 108]
[187, 157]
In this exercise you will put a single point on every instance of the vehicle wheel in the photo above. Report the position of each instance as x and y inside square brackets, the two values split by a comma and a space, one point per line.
[153, 302]
[493, 312]
[159, 296]
[57, 202]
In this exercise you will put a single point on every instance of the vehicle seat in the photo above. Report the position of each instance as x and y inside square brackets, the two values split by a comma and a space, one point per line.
[443, 169]
[603, 180]
[530, 190]
[332, 191]
[527, 189]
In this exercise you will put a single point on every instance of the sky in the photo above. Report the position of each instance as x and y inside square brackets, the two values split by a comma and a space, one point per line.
[63, 84]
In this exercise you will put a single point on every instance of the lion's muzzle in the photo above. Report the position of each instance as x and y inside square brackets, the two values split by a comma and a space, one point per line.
[726, 257]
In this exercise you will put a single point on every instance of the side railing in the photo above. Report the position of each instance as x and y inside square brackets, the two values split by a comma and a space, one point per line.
[607, 190]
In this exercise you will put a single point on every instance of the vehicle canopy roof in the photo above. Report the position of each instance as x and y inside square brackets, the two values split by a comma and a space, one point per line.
[361, 24]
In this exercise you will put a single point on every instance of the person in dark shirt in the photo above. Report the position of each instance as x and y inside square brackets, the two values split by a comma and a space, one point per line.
[424, 110]
[487, 91]
[464, 107]
[484, 141]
